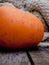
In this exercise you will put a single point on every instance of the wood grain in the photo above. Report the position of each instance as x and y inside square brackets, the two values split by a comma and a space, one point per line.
[40, 56]
[14, 59]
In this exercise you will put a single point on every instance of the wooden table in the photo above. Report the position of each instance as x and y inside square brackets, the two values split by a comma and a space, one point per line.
[33, 56]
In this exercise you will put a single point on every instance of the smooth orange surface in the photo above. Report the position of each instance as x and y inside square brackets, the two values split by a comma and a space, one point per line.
[19, 29]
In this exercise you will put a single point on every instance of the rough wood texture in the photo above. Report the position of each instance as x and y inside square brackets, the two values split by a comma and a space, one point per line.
[40, 56]
[14, 59]
[34, 56]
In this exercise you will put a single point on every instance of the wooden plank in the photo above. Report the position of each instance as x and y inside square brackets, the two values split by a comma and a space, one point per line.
[40, 57]
[14, 59]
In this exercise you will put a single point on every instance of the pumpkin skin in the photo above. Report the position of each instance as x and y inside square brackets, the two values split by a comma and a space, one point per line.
[19, 29]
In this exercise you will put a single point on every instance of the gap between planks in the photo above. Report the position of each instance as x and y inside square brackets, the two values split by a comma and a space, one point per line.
[40, 56]
[34, 57]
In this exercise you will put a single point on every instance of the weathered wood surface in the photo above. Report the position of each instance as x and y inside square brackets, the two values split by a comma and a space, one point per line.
[40, 56]
[33, 56]
[14, 59]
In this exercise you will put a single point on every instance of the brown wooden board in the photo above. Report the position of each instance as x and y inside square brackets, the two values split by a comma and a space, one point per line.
[40, 56]
[14, 58]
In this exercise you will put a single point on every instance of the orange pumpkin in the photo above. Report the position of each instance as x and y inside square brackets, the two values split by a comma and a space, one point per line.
[19, 29]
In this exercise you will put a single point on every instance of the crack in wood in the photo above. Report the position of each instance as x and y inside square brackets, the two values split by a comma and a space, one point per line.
[30, 59]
